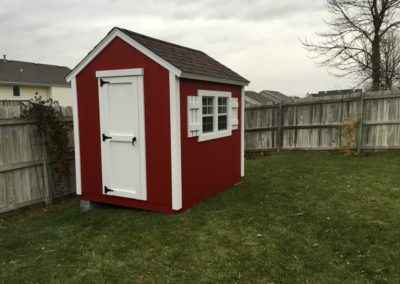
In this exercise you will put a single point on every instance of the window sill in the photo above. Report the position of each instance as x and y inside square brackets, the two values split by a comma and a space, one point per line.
[214, 135]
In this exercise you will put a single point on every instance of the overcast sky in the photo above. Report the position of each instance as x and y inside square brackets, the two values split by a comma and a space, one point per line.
[259, 39]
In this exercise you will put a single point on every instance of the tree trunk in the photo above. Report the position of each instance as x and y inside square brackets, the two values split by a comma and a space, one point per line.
[376, 64]
[389, 83]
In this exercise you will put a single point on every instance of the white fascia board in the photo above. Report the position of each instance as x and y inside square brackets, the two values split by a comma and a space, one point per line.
[76, 138]
[176, 161]
[212, 79]
[107, 39]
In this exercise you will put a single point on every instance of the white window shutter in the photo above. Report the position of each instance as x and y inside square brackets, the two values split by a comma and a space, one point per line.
[194, 118]
[234, 105]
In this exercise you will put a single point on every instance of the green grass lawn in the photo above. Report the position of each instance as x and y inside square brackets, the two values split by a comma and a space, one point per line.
[296, 218]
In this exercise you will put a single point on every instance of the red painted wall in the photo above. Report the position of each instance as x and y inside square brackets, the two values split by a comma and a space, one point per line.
[212, 166]
[120, 55]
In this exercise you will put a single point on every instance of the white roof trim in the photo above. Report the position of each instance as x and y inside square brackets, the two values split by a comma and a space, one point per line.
[212, 79]
[111, 36]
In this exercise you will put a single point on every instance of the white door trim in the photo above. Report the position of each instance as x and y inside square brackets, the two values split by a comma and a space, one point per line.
[120, 73]
[176, 161]
[77, 148]
[142, 138]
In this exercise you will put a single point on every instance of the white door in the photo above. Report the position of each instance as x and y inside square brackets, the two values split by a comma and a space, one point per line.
[123, 136]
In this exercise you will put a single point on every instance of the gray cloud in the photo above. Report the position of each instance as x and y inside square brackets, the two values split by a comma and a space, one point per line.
[258, 38]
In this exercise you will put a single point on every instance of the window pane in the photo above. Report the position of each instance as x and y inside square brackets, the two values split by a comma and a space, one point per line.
[208, 105]
[222, 105]
[16, 91]
[208, 124]
[222, 122]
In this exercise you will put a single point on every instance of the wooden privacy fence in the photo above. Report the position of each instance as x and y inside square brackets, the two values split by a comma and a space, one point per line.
[320, 124]
[26, 175]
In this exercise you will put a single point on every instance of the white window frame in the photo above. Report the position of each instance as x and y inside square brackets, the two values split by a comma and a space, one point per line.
[216, 134]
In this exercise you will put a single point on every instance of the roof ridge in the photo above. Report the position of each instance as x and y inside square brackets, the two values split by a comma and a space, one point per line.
[35, 63]
[159, 40]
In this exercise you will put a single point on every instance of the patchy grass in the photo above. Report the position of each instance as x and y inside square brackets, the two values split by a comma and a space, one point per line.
[297, 218]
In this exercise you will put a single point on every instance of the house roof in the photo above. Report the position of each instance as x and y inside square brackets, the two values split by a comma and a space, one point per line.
[190, 63]
[276, 97]
[268, 97]
[257, 98]
[344, 92]
[28, 73]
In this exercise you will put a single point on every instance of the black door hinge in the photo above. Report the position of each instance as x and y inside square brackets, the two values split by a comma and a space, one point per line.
[102, 82]
[105, 137]
[107, 190]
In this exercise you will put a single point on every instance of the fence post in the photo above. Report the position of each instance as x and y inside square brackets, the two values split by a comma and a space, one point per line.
[279, 132]
[361, 127]
[340, 130]
[47, 191]
[321, 112]
[295, 126]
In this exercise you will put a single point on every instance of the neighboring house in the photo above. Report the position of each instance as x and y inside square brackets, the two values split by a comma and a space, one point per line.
[266, 98]
[23, 80]
[334, 93]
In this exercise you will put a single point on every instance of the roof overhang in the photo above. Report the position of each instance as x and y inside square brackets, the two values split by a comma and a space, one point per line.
[115, 32]
[213, 79]
[29, 84]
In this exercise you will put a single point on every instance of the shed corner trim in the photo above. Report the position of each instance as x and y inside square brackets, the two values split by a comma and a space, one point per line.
[75, 116]
[176, 160]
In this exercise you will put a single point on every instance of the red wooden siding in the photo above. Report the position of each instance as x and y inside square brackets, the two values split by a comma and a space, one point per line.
[207, 167]
[120, 55]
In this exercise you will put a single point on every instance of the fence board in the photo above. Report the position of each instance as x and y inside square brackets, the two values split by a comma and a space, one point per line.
[318, 124]
[22, 180]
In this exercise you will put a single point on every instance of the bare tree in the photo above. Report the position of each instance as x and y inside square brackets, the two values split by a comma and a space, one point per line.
[391, 59]
[353, 46]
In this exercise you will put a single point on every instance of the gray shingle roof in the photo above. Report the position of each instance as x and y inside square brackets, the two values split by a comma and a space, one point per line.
[21, 72]
[258, 98]
[269, 97]
[189, 61]
[276, 97]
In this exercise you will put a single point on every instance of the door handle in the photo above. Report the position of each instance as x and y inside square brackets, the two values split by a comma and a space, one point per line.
[134, 141]
[105, 137]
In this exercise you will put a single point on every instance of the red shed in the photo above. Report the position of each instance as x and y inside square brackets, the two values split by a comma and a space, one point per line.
[158, 126]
